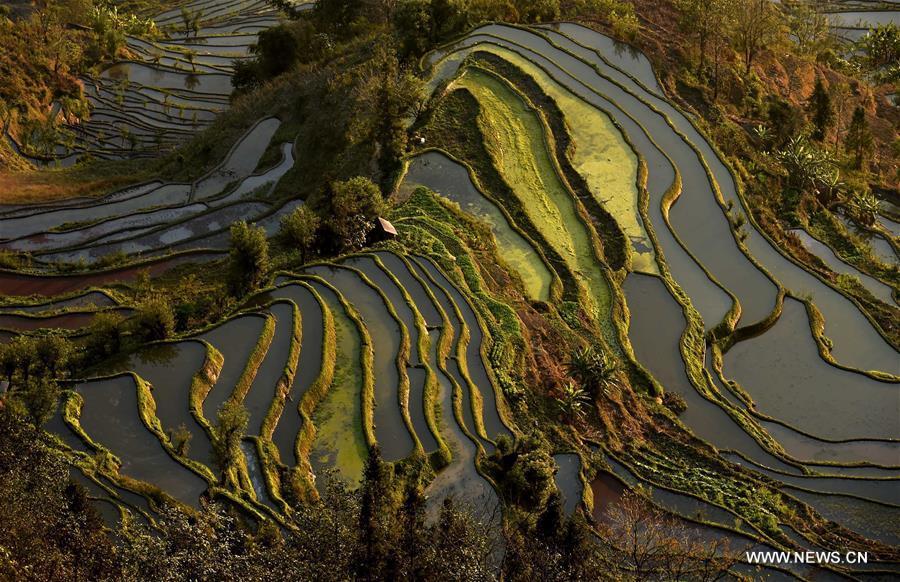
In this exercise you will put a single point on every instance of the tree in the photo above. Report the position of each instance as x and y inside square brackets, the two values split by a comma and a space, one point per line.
[299, 229]
[707, 20]
[249, 258]
[807, 24]
[354, 205]
[374, 494]
[50, 529]
[808, 168]
[9, 360]
[538, 10]
[39, 398]
[231, 424]
[864, 206]
[819, 105]
[53, 354]
[756, 25]
[276, 51]
[155, 320]
[191, 56]
[338, 15]
[105, 334]
[880, 48]
[385, 95]
[650, 545]
[181, 439]
[859, 140]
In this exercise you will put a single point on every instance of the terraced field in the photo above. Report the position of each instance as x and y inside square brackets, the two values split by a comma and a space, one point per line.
[171, 87]
[606, 206]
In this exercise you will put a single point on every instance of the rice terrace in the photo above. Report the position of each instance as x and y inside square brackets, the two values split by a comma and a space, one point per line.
[450, 290]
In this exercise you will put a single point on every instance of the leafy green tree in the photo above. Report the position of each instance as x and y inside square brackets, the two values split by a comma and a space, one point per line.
[9, 360]
[299, 229]
[809, 169]
[39, 397]
[50, 529]
[53, 354]
[414, 26]
[538, 10]
[155, 320]
[276, 50]
[354, 205]
[231, 425]
[181, 439]
[105, 335]
[704, 19]
[881, 50]
[858, 141]
[249, 258]
[373, 534]
[338, 16]
[807, 23]
[819, 106]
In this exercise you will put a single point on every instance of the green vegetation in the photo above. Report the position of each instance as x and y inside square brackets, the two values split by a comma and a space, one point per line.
[299, 229]
[553, 345]
[249, 258]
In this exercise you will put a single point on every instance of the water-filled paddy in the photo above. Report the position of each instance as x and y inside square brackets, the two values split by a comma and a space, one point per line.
[141, 74]
[170, 194]
[111, 418]
[515, 139]
[50, 285]
[475, 364]
[72, 320]
[254, 470]
[796, 385]
[836, 264]
[856, 343]
[89, 299]
[169, 369]
[241, 160]
[439, 173]
[873, 520]
[600, 155]
[235, 339]
[460, 480]
[568, 480]
[308, 367]
[413, 286]
[710, 301]
[340, 443]
[263, 389]
[390, 428]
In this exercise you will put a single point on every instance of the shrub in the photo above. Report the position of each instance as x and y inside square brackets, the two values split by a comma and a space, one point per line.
[299, 228]
[249, 258]
[155, 320]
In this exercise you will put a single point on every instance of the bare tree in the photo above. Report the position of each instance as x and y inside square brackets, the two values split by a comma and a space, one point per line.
[756, 24]
[655, 546]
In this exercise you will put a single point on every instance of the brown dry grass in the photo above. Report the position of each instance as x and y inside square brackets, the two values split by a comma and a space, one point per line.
[47, 186]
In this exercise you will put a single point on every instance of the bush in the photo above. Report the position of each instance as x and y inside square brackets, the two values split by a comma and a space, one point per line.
[249, 258]
[298, 229]
[354, 205]
[155, 320]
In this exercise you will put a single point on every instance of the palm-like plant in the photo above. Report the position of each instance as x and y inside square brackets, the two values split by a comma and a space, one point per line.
[809, 169]
[590, 366]
[864, 207]
[572, 401]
